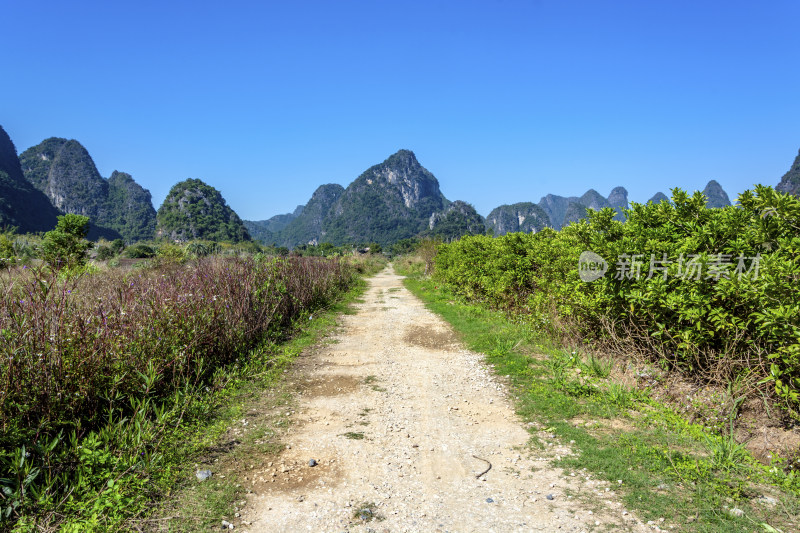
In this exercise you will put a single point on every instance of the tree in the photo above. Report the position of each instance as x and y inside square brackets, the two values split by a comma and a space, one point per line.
[66, 245]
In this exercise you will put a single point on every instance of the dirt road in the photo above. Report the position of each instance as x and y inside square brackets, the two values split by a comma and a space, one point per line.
[401, 420]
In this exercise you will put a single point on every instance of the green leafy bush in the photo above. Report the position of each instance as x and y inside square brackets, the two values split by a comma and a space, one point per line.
[140, 251]
[66, 246]
[717, 291]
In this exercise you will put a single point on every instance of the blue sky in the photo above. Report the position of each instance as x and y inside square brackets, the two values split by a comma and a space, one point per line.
[503, 101]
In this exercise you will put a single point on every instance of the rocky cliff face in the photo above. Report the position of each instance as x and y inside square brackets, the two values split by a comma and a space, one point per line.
[21, 205]
[65, 172]
[265, 231]
[130, 208]
[388, 202]
[456, 220]
[717, 197]
[562, 211]
[790, 182]
[195, 210]
[576, 211]
[526, 217]
[556, 208]
[658, 198]
[307, 227]
[618, 199]
[402, 173]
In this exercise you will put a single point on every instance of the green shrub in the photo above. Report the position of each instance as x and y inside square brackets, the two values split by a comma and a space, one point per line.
[104, 253]
[701, 301]
[140, 251]
[8, 255]
[171, 253]
[66, 246]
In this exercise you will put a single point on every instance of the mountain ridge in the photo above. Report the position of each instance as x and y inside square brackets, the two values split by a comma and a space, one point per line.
[21, 204]
[790, 182]
[65, 172]
[196, 210]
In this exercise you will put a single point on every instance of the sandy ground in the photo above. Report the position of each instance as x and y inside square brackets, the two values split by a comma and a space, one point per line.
[401, 419]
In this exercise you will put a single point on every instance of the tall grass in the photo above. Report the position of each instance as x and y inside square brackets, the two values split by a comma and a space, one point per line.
[80, 356]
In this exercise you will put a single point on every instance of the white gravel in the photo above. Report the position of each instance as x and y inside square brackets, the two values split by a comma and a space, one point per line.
[425, 407]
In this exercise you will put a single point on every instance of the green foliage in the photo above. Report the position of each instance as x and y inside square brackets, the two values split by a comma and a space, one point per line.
[457, 220]
[195, 210]
[696, 322]
[66, 245]
[140, 251]
[104, 253]
[172, 253]
[404, 246]
[129, 209]
[21, 204]
[324, 249]
[658, 463]
[8, 255]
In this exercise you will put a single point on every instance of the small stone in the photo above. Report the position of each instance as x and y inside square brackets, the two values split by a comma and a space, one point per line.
[203, 475]
[312, 462]
[551, 497]
[767, 500]
[736, 512]
[489, 500]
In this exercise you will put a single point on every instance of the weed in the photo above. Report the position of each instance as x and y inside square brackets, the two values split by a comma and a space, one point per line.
[619, 395]
[353, 435]
[597, 366]
[101, 371]
[367, 512]
[725, 453]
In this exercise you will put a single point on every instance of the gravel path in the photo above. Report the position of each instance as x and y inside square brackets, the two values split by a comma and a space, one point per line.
[400, 420]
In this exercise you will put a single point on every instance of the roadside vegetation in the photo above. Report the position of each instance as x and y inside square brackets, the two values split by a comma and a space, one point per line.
[108, 373]
[654, 381]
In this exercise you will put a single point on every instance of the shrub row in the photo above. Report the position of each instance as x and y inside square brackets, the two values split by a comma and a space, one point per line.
[713, 290]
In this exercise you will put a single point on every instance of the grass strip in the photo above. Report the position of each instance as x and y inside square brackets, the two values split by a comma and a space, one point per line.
[660, 465]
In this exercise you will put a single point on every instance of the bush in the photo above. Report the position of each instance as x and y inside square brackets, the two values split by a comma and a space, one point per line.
[66, 245]
[726, 319]
[140, 251]
[8, 255]
[171, 253]
[104, 253]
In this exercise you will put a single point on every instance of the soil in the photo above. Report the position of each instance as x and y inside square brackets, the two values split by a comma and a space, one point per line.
[401, 421]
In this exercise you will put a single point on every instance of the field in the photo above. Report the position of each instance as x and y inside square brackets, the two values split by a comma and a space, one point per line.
[99, 372]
